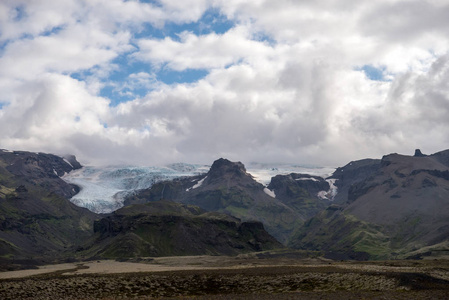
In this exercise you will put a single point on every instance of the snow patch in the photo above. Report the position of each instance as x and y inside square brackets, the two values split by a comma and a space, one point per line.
[269, 192]
[56, 173]
[331, 193]
[307, 178]
[68, 163]
[197, 185]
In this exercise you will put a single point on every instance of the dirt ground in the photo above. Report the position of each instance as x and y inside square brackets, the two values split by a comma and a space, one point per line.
[242, 277]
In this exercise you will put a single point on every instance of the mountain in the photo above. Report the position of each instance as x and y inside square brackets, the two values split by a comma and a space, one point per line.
[38, 223]
[352, 173]
[164, 228]
[41, 170]
[396, 207]
[305, 194]
[229, 189]
[36, 219]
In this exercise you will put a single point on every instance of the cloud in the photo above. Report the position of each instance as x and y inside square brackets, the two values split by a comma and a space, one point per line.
[285, 83]
[201, 52]
[415, 110]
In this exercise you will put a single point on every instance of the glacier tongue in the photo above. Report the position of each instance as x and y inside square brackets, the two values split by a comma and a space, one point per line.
[103, 189]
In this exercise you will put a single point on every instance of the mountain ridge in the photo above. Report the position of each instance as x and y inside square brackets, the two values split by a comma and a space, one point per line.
[392, 212]
[228, 188]
[38, 223]
[393, 207]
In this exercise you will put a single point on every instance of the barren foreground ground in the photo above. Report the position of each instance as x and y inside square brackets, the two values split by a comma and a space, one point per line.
[242, 277]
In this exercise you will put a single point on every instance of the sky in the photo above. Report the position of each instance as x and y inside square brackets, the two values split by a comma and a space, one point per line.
[319, 82]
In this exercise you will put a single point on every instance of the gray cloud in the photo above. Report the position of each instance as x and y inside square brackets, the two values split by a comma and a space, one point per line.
[284, 83]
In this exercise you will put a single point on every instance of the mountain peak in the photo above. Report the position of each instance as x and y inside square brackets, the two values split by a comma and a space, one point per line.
[418, 153]
[222, 167]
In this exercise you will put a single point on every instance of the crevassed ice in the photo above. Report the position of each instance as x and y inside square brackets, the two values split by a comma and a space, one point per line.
[103, 189]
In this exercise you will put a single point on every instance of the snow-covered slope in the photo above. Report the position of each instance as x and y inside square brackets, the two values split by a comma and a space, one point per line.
[103, 188]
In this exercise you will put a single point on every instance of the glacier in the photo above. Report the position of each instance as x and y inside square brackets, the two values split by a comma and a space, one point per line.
[103, 189]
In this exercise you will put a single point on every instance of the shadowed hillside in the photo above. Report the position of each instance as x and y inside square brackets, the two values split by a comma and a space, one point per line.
[164, 228]
[37, 222]
[398, 210]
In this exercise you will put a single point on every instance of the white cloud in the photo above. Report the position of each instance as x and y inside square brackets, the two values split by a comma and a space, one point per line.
[284, 83]
[49, 110]
[184, 11]
[202, 52]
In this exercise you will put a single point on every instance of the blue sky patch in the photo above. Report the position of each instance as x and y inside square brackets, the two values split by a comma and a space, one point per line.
[119, 87]
[373, 73]
[263, 37]
[211, 21]
[20, 13]
[168, 76]
[153, 2]
[54, 30]
[124, 90]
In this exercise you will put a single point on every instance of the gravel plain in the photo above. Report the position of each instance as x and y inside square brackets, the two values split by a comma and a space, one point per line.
[209, 277]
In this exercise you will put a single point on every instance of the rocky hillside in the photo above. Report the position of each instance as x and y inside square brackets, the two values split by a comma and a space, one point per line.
[164, 228]
[396, 207]
[41, 170]
[37, 222]
[351, 174]
[229, 189]
[305, 194]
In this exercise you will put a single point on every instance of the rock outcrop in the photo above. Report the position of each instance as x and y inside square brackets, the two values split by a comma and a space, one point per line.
[301, 192]
[41, 170]
[164, 228]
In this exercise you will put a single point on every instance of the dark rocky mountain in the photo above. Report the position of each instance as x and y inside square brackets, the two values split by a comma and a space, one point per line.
[352, 173]
[229, 189]
[396, 207]
[37, 222]
[305, 194]
[164, 228]
[41, 170]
